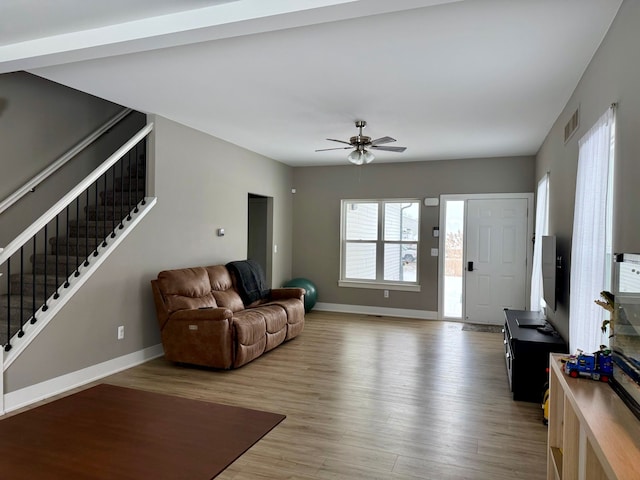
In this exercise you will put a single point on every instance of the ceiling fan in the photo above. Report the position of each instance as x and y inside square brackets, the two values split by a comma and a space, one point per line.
[361, 145]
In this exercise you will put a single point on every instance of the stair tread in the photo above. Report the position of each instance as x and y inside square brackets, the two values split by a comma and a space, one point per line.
[27, 302]
[60, 257]
[39, 276]
[83, 224]
[73, 240]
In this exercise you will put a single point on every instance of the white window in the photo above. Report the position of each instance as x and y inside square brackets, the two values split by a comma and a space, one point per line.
[542, 228]
[591, 241]
[380, 244]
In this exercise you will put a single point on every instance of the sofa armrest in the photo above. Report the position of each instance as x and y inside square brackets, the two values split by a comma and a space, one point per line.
[286, 293]
[162, 312]
[200, 337]
[201, 314]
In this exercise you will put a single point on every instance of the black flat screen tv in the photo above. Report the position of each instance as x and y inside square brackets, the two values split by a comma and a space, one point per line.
[549, 271]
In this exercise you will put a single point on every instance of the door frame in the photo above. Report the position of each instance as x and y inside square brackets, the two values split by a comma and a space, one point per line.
[441, 244]
[261, 235]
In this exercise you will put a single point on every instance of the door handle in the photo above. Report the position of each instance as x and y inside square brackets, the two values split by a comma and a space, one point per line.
[470, 266]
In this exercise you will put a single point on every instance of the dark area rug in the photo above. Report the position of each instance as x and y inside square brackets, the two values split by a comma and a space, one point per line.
[477, 327]
[108, 432]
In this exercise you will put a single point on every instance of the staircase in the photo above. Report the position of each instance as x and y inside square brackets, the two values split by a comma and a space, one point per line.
[45, 266]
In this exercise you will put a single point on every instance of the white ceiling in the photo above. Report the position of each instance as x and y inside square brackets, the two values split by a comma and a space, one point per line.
[446, 78]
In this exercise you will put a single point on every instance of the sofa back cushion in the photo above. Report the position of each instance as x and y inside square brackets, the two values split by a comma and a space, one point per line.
[229, 299]
[222, 286]
[219, 277]
[186, 288]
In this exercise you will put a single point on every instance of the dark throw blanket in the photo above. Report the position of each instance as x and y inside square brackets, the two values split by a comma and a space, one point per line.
[250, 280]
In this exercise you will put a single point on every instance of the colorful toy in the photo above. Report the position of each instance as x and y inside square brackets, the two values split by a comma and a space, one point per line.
[597, 366]
[545, 407]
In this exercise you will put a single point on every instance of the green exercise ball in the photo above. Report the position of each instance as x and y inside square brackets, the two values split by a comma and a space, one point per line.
[311, 294]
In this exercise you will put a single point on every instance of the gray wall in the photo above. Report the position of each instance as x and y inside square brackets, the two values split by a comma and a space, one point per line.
[56, 118]
[316, 216]
[202, 183]
[612, 76]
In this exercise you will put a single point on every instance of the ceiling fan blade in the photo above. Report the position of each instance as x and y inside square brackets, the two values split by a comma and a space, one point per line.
[390, 149]
[338, 148]
[341, 141]
[381, 140]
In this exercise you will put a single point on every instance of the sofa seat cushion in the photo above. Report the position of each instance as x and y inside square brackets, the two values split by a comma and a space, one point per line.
[293, 307]
[186, 288]
[250, 327]
[251, 336]
[275, 339]
[295, 315]
[294, 329]
[276, 322]
[275, 317]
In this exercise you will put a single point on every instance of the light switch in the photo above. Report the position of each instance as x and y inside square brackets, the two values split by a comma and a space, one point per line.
[434, 252]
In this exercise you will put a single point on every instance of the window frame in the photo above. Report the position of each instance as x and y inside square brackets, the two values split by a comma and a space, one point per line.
[590, 253]
[380, 242]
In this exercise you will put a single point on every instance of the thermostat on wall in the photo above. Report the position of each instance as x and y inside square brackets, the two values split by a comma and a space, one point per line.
[431, 202]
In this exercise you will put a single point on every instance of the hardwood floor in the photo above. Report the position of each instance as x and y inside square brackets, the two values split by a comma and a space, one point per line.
[373, 398]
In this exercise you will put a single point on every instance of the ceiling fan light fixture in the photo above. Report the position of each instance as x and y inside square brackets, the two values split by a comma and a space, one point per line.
[356, 157]
[360, 143]
[359, 157]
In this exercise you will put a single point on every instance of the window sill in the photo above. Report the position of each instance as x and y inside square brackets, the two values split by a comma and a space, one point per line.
[380, 286]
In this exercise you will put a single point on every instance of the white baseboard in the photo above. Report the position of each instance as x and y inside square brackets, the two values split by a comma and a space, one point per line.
[384, 311]
[55, 386]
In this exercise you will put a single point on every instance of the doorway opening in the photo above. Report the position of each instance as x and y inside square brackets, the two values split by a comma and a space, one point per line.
[260, 233]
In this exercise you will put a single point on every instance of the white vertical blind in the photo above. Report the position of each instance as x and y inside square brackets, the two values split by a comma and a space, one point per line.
[589, 240]
[542, 228]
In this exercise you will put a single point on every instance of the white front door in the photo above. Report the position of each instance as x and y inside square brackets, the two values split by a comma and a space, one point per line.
[496, 258]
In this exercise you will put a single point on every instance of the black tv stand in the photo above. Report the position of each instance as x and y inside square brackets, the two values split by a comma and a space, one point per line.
[526, 352]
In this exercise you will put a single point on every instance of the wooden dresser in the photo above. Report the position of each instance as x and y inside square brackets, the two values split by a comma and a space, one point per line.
[592, 433]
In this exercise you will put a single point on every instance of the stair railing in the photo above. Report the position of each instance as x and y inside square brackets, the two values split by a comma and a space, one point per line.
[23, 308]
[32, 184]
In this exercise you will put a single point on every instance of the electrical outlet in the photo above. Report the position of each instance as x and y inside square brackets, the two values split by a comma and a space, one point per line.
[120, 332]
[386, 294]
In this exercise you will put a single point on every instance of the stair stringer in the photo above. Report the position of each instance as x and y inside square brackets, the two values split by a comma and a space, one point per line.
[31, 331]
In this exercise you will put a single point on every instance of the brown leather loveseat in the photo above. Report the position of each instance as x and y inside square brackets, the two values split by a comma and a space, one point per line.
[203, 320]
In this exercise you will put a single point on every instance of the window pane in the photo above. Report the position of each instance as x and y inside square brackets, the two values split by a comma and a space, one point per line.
[360, 261]
[453, 255]
[368, 253]
[400, 262]
[401, 221]
[362, 221]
